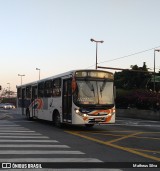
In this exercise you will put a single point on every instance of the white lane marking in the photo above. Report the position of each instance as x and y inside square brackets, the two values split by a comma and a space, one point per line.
[39, 152]
[50, 160]
[10, 131]
[9, 125]
[13, 131]
[6, 140]
[23, 137]
[34, 145]
[19, 133]
[70, 169]
[15, 128]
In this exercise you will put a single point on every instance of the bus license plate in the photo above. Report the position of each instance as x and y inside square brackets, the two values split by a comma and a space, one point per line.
[99, 119]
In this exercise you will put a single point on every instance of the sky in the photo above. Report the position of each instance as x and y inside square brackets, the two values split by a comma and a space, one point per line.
[54, 36]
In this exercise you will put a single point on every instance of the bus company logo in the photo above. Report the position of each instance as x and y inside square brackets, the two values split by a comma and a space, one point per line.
[108, 112]
[100, 112]
[37, 104]
[6, 166]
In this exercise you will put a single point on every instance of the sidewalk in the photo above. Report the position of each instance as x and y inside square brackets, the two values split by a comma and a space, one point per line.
[139, 114]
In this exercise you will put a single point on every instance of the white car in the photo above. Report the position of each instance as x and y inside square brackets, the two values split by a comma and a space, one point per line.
[7, 106]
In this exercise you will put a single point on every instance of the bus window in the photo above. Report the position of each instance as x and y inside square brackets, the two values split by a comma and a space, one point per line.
[23, 100]
[57, 87]
[48, 88]
[28, 92]
[23, 93]
[41, 89]
[19, 93]
[34, 92]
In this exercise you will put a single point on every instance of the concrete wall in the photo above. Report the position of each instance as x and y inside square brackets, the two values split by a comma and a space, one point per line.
[141, 114]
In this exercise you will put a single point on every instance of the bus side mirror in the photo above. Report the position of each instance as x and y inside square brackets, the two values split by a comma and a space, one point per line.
[74, 85]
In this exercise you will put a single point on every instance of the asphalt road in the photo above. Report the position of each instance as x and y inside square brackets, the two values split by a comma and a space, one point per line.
[129, 143]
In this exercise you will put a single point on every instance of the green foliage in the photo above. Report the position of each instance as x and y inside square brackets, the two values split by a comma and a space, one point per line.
[134, 89]
[136, 78]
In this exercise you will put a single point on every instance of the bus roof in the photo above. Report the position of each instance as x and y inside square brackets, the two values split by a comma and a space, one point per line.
[58, 75]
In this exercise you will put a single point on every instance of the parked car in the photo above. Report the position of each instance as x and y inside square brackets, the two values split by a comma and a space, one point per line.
[7, 106]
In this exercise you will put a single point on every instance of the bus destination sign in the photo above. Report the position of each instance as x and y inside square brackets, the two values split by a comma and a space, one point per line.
[94, 74]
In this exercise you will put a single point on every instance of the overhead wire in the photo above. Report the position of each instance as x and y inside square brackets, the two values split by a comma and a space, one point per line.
[126, 56]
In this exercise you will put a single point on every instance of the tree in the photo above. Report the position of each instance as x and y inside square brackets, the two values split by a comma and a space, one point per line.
[135, 78]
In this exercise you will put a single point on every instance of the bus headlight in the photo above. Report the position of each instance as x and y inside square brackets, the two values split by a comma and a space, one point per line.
[109, 115]
[84, 115]
[77, 111]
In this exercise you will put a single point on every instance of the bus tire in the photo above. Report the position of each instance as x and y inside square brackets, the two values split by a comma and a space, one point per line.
[28, 115]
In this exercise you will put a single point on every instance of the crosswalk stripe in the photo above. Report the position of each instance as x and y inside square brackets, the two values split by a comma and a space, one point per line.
[70, 169]
[31, 137]
[39, 152]
[24, 140]
[34, 145]
[19, 133]
[14, 131]
[9, 125]
[6, 140]
[15, 128]
[50, 160]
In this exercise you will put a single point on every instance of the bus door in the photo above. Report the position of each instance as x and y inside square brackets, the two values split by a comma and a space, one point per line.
[34, 97]
[23, 100]
[67, 100]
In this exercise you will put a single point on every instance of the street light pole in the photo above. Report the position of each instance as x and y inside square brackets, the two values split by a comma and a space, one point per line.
[21, 77]
[39, 72]
[9, 89]
[96, 41]
[22, 103]
[154, 85]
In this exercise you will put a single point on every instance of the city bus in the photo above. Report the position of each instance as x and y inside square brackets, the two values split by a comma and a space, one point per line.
[84, 97]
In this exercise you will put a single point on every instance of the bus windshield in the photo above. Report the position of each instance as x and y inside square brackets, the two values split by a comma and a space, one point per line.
[94, 92]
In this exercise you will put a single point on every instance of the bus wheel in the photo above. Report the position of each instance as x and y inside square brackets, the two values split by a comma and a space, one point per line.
[89, 125]
[28, 115]
[57, 121]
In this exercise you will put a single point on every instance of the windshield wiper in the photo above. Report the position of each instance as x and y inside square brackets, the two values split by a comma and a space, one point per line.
[90, 87]
[102, 87]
